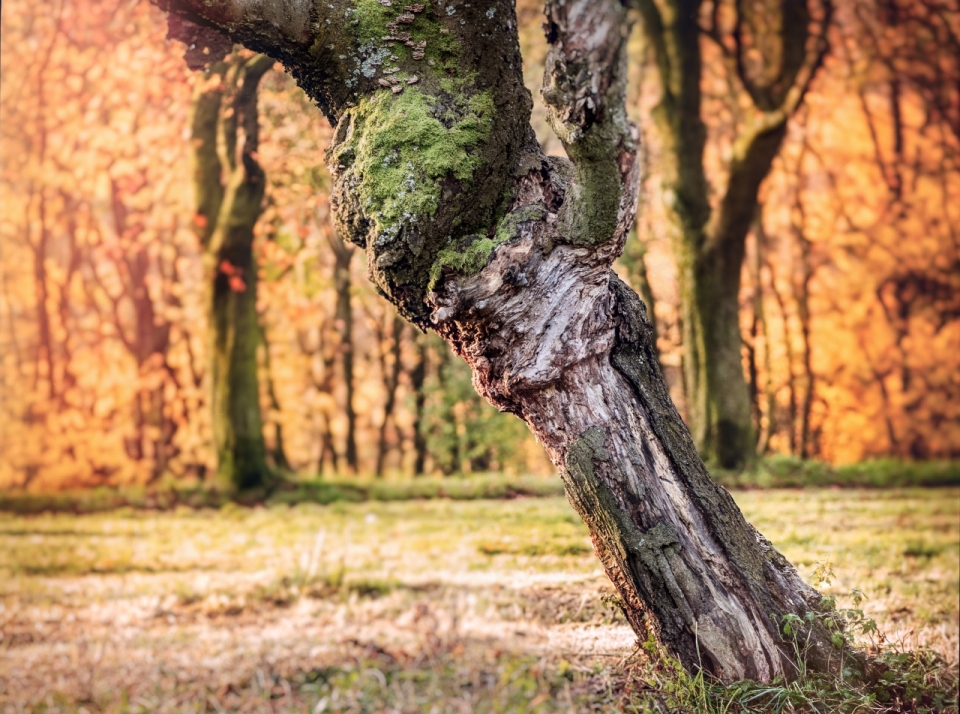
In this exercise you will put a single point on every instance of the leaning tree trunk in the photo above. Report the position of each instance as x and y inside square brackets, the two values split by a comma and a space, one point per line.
[507, 253]
[229, 185]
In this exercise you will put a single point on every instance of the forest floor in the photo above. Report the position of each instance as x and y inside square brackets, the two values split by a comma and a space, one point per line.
[418, 606]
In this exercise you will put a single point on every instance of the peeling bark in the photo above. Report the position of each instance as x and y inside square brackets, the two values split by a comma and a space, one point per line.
[507, 254]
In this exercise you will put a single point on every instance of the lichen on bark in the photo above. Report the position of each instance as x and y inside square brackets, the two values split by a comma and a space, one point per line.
[469, 255]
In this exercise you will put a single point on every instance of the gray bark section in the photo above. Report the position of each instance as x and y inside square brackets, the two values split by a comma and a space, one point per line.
[513, 268]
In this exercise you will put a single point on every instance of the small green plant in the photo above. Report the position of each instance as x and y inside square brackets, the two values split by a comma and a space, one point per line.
[892, 680]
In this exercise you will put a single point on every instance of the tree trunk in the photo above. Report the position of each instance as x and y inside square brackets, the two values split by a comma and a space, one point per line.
[766, 430]
[277, 452]
[343, 323]
[418, 378]
[390, 370]
[718, 399]
[709, 243]
[230, 185]
[507, 253]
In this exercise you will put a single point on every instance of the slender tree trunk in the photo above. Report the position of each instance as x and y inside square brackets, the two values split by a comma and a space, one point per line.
[390, 370]
[45, 347]
[278, 454]
[449, 461]
[343, 323]
[322, 365]
[225, 133]
[507, 253]
[770, 428]
[803, 312]
[418, 376]
[788, 347]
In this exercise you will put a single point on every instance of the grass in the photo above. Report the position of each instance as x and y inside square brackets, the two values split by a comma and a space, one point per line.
[425, 605]
[793, 472]
[773, 472]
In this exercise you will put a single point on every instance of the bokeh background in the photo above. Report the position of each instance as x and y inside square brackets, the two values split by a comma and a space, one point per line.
[850, 300]
[130, 581]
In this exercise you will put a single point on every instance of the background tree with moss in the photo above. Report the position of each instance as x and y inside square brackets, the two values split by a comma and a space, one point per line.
[763, 56]
[229, 185]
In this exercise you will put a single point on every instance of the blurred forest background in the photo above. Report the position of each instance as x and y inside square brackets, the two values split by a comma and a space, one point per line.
[849, 304]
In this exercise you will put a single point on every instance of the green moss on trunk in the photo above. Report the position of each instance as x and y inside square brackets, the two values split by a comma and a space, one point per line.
[403, 145]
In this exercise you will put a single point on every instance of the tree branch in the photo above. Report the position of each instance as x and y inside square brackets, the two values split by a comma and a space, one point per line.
[584, 88]
[758, 144]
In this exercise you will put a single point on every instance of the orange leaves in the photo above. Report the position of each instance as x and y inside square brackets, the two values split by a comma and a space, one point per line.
[234, 276]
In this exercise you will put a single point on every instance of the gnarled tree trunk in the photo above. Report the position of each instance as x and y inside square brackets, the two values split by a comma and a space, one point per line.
[471, 230]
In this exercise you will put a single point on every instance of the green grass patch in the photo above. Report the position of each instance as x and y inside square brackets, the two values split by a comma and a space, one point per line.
[321, 491]
[793, 472]
[770, 473]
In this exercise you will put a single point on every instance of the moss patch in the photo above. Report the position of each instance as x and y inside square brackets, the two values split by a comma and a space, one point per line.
[371, 20]
[470, 259]
[402, 147]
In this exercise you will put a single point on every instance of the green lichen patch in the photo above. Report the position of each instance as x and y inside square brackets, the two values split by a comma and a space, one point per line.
[400, 151]
[371, 22]
[370, 19]
[475, 251]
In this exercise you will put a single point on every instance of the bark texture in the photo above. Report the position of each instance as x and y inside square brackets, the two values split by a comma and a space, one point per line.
[229, 188]
[769, 50]
[507, 254]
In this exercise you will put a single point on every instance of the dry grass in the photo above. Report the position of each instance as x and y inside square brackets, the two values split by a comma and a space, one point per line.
[411, 607]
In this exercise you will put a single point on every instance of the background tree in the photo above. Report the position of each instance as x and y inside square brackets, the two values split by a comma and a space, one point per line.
[111, 106]
[763, 57]
[230, 186]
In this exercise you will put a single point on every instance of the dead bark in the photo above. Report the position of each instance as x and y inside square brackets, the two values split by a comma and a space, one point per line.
[507, 254]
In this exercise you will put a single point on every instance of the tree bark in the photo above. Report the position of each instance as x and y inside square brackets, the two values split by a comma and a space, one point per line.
[709, 243]
[507, 254]
[229, 187]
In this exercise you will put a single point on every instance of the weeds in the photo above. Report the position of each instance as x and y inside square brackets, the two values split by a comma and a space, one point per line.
[893, 680]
